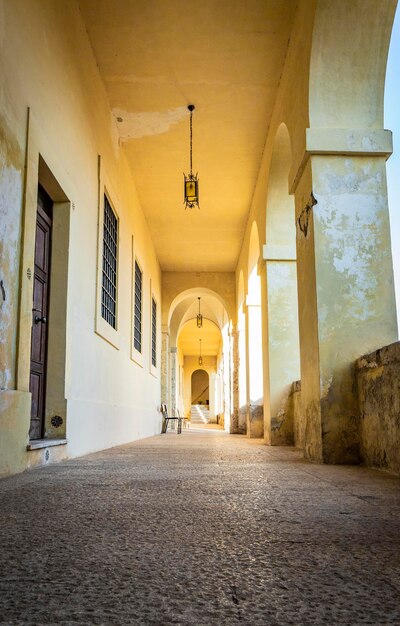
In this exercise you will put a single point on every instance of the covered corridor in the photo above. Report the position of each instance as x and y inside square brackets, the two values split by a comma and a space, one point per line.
[277, 285]
[207, 529]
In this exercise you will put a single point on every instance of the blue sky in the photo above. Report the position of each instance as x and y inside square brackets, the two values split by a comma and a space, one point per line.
[392, 122]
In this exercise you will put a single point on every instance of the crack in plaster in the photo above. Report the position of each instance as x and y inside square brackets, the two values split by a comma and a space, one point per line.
[136, 125]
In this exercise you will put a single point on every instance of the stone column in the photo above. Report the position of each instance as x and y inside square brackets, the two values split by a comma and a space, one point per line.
[345, 279]
[234, 369]
[282, 338]
[255, 418]
[165, 365]
[226, 383]
[212, 395]
[174, 379]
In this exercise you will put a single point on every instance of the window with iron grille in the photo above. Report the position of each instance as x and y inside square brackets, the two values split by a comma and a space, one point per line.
[153, 332]
[137, 330]
[110, 254]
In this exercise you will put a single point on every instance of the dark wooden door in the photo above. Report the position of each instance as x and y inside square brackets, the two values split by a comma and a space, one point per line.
[40, 314]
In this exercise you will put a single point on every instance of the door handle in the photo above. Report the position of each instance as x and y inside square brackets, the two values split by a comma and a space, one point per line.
[38, 319]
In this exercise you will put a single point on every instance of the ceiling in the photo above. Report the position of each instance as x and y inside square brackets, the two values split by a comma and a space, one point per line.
[190, 335]
[158, 56]
[184, 318]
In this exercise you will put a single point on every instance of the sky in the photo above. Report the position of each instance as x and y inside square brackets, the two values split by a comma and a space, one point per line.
[392, 122]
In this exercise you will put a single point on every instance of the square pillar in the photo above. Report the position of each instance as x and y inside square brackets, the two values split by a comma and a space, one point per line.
[345, 283]
[281, 341]
[255, 390]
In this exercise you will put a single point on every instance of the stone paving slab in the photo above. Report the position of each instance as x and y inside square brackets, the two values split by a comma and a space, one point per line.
[203, 528]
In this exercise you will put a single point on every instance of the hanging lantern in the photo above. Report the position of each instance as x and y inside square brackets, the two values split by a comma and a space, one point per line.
[200, 357]
[199, 318]
[191, 181]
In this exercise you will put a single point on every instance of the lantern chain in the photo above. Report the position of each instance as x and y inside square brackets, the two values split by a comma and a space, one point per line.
[191, 142]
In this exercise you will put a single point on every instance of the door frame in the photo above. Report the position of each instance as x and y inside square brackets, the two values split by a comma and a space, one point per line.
[43, 166]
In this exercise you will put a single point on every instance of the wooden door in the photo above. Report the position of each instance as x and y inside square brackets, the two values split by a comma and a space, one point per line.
[40, 314]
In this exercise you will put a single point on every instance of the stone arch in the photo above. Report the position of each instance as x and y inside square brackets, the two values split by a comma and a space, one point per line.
[343, 231]
[348, 62]
[185, 299]
[241, 358]
[195, 292]
[200, 391]
[280, 218]
[179, 357]
[255, 383]
[282, 348]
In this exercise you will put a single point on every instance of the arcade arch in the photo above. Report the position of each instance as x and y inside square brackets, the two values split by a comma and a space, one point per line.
[255, 383]
[242, 359]
[345, 275]
[200, 387]
[184, 351]
[282, 348]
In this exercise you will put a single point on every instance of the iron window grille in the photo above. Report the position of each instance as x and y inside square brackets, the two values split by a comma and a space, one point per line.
[110, 254]
[137, 334]
[153, 332]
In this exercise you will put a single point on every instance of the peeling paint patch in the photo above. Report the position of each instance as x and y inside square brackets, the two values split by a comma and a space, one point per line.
[352, 243]
[10, 214]
[137, 125]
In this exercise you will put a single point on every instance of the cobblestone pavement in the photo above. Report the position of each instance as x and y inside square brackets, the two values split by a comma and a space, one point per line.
[202, 528]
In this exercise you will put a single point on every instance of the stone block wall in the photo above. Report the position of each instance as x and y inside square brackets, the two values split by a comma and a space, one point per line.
[378, 381]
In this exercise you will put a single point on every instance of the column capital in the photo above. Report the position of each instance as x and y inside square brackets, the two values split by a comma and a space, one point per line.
[372, 142]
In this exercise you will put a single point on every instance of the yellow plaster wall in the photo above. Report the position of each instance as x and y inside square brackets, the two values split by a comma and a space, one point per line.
[46, 64]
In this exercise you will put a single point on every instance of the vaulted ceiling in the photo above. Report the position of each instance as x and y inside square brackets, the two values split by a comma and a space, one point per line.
[158, 56]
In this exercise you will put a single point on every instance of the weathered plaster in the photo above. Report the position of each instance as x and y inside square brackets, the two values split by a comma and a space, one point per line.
[283, 348]
[111, 399]
[378, 376]
[234, 382]
[15, 407]
[11, 186]
[133, 125]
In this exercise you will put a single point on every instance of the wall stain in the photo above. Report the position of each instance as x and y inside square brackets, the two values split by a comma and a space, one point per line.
[12, 152]
[304, 217]
[3, 291]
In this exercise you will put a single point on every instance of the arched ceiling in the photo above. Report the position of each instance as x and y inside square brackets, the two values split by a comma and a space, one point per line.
[156, 57]
[189, 335]
[186, 311]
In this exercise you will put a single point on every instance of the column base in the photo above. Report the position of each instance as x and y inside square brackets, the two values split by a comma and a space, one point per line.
[255, 421]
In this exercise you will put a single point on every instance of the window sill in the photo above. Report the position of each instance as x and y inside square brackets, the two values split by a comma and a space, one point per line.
[37, 444]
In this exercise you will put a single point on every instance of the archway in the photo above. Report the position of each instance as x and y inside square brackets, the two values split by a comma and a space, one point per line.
[242, 359]
[255, 387]
[200, 397]
[279, 253]
[200, 392]
[188, 341]
[345, 276]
